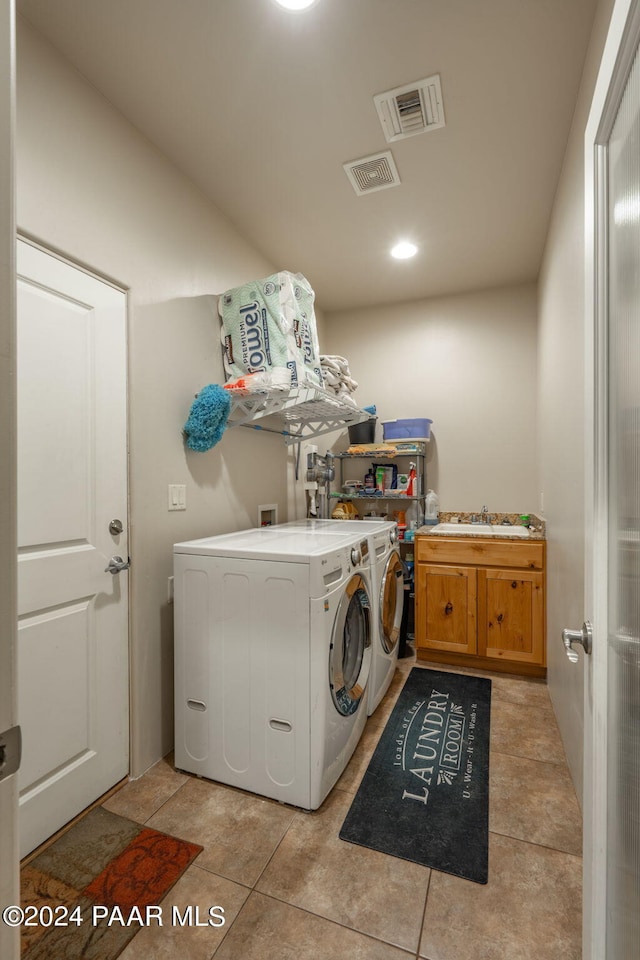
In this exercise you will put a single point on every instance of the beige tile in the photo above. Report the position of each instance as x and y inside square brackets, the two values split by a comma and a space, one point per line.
[529, 910]
[140, 799]
[525, 731]
[357, 766]
[352, 885]
[239, 831]
[529, 692]
[406, 664]
[198, 939]
[534, 801]
[388, 702]
[267, 929]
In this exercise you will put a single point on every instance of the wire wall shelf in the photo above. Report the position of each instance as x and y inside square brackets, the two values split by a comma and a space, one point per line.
[299, 413]
[385, 495]
[391, 451]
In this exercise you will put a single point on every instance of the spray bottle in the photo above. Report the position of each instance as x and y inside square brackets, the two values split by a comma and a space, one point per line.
[411, 486]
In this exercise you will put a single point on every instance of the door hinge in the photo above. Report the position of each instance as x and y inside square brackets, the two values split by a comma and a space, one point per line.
[10, 751]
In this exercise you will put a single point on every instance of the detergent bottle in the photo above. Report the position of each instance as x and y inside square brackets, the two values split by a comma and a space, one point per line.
[431, 507]
[400, 517]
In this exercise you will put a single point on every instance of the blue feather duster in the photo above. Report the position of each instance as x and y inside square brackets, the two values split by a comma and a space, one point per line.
[208, 418]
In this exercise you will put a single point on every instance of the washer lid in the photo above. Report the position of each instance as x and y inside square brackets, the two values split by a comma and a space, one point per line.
[366, 527]
[265, 543]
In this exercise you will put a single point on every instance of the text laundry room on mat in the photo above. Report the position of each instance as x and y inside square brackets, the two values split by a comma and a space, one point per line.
[425, 795]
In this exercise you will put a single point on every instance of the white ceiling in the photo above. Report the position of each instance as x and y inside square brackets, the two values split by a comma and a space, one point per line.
[261, 107]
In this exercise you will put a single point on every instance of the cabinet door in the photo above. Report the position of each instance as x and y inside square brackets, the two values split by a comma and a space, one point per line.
[511, 615]
[446, 608]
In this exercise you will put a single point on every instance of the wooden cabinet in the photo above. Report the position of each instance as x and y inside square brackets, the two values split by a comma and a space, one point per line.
[511, 615]
[446, 608]
[481, 603]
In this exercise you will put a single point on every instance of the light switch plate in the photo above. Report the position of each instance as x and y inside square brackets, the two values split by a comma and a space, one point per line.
[177, 496]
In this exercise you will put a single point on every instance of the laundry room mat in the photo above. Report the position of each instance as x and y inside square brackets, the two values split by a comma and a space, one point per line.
[425, 795]
[87, 894]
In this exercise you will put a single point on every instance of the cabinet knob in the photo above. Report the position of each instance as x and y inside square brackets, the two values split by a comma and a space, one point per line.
[449, 608]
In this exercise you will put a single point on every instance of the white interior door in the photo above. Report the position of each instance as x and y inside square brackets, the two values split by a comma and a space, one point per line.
[612, 700]
[72, 483]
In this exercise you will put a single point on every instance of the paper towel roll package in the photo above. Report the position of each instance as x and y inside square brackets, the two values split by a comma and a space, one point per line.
[270, 326]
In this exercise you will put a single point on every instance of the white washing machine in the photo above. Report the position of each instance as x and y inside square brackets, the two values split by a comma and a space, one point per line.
[388, 592]
[273, 651]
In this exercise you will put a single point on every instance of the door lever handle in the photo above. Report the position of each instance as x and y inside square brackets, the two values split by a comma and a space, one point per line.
[116, 564]
[584, 637]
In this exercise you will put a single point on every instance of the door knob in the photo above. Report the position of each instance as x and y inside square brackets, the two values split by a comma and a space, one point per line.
[584, 637]
[116, 564]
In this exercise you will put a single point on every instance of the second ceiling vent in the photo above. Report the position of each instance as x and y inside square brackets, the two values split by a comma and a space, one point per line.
[412, 109]
[372, 173]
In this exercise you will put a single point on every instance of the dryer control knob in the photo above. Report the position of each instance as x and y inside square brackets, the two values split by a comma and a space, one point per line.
[393, 536]
[356, 556]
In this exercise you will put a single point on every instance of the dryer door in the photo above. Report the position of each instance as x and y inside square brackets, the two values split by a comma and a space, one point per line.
[350, 654]
[391, 602]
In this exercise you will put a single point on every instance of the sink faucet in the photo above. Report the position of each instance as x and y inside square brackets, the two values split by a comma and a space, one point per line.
[484, 516]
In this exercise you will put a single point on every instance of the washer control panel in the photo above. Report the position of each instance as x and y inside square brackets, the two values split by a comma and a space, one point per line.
[360, 553]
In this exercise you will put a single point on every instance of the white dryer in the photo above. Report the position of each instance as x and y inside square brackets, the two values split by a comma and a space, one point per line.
[388, 591]
[387, 577]
[273, 651]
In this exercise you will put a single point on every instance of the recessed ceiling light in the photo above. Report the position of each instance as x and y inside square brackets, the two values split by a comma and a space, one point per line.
[296, 4]
[404, 250]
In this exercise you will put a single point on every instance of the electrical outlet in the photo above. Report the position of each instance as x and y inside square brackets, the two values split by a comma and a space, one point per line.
[541, 502]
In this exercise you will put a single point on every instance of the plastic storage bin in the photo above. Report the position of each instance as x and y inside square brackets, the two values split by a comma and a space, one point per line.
[416, 428]
[364, 432]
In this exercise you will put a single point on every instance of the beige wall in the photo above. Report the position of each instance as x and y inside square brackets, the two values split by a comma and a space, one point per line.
[90, 186]
[561, 413]
[469, 364]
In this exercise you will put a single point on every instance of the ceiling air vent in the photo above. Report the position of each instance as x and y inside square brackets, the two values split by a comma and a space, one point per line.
[414, 108]
[372, 173]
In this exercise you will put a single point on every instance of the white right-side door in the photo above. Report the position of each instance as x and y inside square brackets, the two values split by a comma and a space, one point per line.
[612, 583]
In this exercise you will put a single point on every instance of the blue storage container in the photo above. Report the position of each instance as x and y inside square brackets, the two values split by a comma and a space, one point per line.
[416, 428]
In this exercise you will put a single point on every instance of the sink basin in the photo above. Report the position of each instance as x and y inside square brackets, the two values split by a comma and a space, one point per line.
[481, 530]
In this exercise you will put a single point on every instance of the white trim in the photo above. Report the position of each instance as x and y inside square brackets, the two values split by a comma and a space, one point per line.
[9, 863]
[619, 50]
[77, 264]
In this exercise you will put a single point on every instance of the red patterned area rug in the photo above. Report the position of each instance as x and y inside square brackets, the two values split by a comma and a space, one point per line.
[92, 890]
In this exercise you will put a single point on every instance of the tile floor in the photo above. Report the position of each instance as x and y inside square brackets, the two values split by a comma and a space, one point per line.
[291, 890]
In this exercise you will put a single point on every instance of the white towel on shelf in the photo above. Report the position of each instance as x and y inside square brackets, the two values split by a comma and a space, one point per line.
[337, 377]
